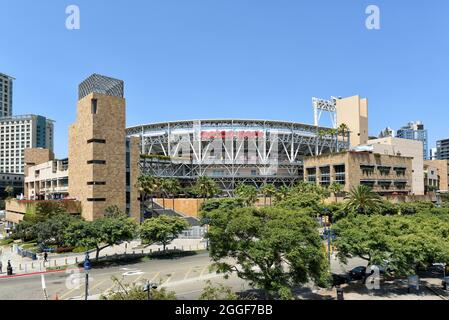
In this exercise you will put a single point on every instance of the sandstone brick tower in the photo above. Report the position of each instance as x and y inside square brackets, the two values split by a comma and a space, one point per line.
[97, 147]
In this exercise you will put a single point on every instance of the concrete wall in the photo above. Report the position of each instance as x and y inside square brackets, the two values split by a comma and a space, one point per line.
[443, 172]
[109, 124]
[354, 174]
[353, 111]
[406, 148]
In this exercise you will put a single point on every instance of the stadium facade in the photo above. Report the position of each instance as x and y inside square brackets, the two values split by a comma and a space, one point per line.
[233, 151]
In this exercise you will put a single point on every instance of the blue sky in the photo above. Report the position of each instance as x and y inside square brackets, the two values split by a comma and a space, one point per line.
[189, 59]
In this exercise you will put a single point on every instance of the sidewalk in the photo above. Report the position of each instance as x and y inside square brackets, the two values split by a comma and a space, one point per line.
[23, 265]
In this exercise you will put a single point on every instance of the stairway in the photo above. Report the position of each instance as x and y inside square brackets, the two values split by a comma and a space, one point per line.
[160, 210]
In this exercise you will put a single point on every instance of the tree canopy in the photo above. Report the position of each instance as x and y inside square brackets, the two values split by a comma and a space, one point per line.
[274, 248]
[101, 233]
[162, 230]
[400, 244]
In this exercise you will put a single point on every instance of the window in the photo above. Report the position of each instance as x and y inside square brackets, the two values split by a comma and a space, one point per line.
[96, 141]
[96, 162]
[96, 183]
[96, 199]
[94, 103]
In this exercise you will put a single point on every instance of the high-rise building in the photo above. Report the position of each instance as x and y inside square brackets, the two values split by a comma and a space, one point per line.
[443, 149]
[6, 83]
[415, 131]
[18, 133]
[433, 155]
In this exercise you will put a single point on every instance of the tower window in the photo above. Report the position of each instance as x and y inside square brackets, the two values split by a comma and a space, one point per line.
[94, 106]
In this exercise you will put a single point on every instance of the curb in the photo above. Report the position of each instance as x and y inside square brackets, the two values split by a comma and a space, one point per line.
[34, 273]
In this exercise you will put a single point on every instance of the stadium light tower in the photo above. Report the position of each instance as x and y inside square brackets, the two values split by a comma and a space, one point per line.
[329, 106]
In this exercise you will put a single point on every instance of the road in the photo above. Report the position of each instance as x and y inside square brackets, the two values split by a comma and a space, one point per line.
[186, 276]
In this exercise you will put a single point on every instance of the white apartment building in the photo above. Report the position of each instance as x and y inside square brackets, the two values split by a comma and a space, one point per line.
[18, 133]
[47, 181]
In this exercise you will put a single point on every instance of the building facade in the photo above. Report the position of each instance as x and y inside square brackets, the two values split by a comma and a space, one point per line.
[443, 173]
[6, 86]
[103, 164]
[442, 150]
[353, 112]
[415, 131]
[18, 133]
[431, 178]
[385, 174]
[11, 180]
[232, 151]
[405, 148]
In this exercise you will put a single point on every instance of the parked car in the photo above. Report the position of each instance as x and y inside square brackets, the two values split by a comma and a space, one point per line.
[360, 272]
[339, 279]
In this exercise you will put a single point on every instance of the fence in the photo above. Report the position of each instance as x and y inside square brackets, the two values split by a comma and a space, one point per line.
[193, 233]
[56, 262]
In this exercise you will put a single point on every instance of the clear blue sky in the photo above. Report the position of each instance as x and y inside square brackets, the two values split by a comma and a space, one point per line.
[188, 59]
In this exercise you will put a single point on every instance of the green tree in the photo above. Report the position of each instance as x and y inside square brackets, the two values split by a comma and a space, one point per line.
[268, 191]
[172, 187]
[101, 233]
[400, 244]
[44, 210]
[218, 292]
[206, 187]
[24, 231]
[222, 204]
[162, 230]
[124, 291]
[363, 200]
[247, 193]
[281, 193]
[148, 186]
[275, 249]
[9, 190]
[336, 188]
[51, 231]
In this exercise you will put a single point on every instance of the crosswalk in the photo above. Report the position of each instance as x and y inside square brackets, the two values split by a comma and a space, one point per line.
[103, 283]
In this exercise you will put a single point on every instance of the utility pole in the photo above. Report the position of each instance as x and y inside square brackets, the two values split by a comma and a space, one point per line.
[44, 287]
[87, 267]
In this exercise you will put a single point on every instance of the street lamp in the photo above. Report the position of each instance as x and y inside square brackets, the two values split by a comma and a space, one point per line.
[148, 287]
[87, 267]
[206, 222]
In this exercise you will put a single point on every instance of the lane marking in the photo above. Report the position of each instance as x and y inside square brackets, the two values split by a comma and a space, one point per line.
[204, 270]
[188, 272]
[98, 284]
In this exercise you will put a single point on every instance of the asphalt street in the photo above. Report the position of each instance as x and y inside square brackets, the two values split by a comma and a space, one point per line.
[186, 276]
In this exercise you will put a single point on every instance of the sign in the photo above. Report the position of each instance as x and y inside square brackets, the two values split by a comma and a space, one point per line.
[413, 282]
[87, 265]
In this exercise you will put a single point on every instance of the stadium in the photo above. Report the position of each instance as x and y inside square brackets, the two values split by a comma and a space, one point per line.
[233, 151]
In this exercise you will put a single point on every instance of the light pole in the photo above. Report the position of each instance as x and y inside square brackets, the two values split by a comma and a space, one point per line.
[87, 267]
[148, 288]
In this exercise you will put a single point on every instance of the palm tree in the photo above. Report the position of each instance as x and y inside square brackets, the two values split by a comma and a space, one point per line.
[282, 193]
[343, 129]
[363, 200]
[172, 187]
[247, 193]
[9, 190]
[206, 187]
[148, 186]
[268, 190]
[335, 188]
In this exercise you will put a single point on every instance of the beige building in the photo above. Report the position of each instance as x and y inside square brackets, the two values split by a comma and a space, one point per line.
[406, 148]
[353, 111]
[385, 174]
[431, 178]
[443, 173]
[103, 164]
